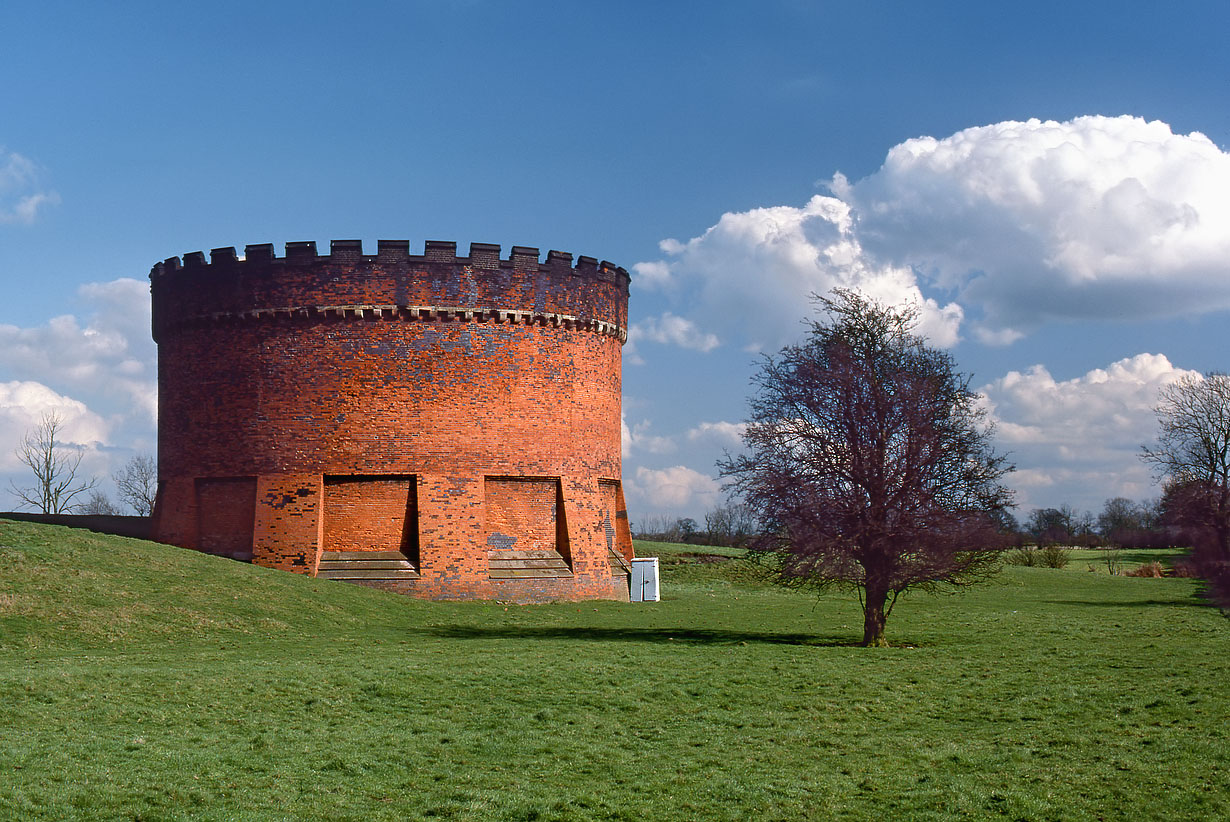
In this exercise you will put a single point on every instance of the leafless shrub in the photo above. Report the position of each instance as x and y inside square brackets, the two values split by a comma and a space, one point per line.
[1054, 556]
[1152, 570]
[99, 503]
[1026, 556]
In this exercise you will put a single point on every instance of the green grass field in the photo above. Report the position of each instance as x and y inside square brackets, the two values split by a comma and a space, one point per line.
[139, 681]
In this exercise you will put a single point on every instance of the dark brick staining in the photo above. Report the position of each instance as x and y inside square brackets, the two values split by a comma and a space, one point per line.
[445, 407]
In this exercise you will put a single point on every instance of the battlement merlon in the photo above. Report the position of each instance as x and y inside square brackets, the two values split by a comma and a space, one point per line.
[390, 252]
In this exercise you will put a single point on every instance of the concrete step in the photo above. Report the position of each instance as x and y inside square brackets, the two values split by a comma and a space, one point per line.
[526, 564]
[369, 566]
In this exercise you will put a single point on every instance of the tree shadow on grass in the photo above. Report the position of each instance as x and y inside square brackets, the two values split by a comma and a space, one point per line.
[696, 636]
[1188, 602]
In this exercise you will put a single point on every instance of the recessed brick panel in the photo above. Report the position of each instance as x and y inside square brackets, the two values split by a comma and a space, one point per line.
[371, 513]
[616, 530]
[226, 511]
[520, 514]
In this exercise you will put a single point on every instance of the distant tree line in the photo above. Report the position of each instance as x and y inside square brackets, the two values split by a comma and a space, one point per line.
[1122, 523]
[730, 524]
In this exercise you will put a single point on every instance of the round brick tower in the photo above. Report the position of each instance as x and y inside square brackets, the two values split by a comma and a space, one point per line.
[444, 426]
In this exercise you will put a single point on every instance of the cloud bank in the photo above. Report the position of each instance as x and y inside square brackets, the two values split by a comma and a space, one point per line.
[1010, 225]
[1078, 439]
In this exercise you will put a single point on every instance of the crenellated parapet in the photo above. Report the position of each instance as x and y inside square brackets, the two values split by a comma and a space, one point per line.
[392, 284]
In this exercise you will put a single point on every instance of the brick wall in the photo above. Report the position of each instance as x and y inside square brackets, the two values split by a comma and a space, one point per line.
[366, 416]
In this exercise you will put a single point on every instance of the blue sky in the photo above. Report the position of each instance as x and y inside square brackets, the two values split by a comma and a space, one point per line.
[1073, 264]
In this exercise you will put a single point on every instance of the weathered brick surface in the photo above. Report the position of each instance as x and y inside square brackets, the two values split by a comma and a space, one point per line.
[439, 405]
[288, 528]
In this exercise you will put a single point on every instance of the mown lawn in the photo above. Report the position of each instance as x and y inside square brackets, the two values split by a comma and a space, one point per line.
[139, 681]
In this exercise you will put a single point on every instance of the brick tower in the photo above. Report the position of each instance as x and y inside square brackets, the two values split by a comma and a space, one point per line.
[443, 426]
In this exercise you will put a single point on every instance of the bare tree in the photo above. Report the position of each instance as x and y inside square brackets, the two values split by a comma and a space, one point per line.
[1192, 457]
[137, 484]
[99, 503]
[869, 463]
[55, 467]
[730, 524]
[653, 527]
[1193, 415]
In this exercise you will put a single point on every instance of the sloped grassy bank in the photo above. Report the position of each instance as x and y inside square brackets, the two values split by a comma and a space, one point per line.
[142, 681]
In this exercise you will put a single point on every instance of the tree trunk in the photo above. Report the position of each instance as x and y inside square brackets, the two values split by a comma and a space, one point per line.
[1222, 525]
[873, 616]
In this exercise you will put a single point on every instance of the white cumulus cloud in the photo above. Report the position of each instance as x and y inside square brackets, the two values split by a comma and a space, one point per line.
[23, 405]
[637, 438]
[751, 277]
[652, 275]
[96, 370]
[722, 433]
[1015, 224]
[1093, 217]
[109, 355]
[674, 330]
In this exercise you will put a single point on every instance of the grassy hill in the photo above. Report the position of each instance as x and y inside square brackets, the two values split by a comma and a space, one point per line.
[139, 681]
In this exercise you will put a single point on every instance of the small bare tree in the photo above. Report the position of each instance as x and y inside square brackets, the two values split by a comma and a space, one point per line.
[137, 484]
[652, 526]
[99, 503]
[55, 467]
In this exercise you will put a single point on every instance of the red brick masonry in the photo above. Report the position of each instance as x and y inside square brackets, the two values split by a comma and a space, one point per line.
[460, 410]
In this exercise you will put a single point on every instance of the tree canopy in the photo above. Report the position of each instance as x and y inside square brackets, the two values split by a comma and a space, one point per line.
[868, 461]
